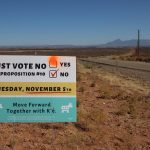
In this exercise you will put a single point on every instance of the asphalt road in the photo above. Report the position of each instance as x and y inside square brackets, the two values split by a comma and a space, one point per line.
[139, 71]
[143, 66]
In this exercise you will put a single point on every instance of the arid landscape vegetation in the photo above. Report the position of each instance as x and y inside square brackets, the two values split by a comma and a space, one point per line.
[113, 108]
[79, 52]
[107, 84]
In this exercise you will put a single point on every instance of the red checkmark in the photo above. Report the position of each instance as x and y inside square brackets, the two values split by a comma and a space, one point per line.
[53, 74]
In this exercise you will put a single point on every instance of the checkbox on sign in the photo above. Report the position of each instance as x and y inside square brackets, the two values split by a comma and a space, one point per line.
[54, 65]
[53, 73]
[53, 62]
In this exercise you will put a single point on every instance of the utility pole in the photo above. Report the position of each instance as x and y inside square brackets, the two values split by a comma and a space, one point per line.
[138, 44]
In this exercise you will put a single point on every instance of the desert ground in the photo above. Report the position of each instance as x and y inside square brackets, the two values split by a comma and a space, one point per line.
[113, 108]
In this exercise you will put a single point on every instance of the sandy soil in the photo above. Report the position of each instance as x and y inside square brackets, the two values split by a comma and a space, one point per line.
[111, 116]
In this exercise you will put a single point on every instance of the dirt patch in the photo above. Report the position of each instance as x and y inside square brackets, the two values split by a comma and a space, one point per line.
[110, 117]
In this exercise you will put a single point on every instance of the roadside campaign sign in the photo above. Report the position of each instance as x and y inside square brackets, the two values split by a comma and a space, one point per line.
[37, 89]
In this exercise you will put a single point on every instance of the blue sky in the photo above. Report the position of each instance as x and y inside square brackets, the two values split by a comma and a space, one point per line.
[79, 22]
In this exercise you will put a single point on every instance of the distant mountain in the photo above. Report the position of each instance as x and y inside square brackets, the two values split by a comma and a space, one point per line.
[116, 43]
[127, 43]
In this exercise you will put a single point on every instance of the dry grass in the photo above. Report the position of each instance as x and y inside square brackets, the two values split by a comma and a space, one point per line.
[13, 143]
[109, 117]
